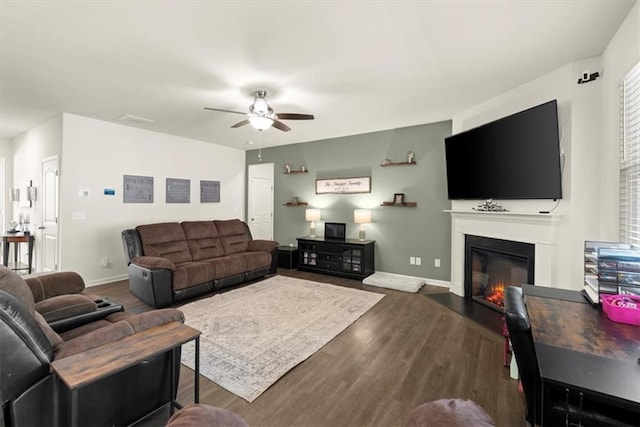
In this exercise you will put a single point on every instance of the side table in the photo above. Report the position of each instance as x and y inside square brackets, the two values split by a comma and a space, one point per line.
[287, 257]
[87, 367]
[16, 239]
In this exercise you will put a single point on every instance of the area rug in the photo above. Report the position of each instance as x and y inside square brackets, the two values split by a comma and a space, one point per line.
[394, 281]
[254, 335]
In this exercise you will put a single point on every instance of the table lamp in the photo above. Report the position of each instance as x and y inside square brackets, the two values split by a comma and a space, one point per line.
[312, 215]
[362, 217]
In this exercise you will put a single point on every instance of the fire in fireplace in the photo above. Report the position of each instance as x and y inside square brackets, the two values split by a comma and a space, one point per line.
[493, 264]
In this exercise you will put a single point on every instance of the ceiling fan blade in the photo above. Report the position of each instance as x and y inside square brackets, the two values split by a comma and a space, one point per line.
[242, 123]
[281, 126]
[295, 116]
[224, 111]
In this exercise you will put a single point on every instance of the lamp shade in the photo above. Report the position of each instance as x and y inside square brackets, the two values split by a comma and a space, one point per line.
[362, 216]
[32, 194]
[312, 214]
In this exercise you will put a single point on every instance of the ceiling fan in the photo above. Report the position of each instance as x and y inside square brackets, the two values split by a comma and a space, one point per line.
[261, 115]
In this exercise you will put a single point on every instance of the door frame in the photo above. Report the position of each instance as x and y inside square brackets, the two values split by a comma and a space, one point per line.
[263, 171]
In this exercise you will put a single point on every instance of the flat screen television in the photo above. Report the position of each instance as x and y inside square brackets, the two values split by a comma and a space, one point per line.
[515, 157]
[334, 230]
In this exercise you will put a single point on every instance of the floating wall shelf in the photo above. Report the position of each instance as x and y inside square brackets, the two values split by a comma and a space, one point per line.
[296, 172]
[398, 164]
[296, 204]
[400, 205]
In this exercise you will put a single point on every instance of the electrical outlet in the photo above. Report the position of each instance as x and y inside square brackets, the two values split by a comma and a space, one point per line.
[412, 260]
[436, 263]
[418, 261]
[105, 262]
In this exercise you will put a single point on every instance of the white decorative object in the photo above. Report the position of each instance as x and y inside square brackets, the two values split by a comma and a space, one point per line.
[312, 215]
[288, 168]
[362, 217]
[410, 157]
[394, 281]
[489, 206]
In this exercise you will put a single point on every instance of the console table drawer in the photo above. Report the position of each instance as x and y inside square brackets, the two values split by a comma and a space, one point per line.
[328, 265]
[332, 257]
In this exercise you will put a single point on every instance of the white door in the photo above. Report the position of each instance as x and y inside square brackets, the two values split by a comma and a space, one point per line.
[261, 201]
[50, 226]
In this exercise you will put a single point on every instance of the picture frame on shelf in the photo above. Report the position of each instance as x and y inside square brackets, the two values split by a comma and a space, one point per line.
[398, 198]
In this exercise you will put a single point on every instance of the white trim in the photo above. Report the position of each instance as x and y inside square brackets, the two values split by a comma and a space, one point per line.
[106, 280]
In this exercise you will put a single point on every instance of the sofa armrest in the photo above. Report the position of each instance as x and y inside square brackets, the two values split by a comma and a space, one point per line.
[262, 245]
[153, 286]
[49, 285]
[153, 263]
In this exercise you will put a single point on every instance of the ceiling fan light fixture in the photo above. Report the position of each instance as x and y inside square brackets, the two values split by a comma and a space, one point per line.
[260, 122]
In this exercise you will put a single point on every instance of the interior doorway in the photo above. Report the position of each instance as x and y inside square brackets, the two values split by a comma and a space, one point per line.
[260, 201]
[50, 226]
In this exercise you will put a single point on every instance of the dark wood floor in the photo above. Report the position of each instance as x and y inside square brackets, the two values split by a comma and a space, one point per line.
[405, 351]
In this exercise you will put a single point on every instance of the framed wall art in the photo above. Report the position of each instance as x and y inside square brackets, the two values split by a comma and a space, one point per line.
[343, 185]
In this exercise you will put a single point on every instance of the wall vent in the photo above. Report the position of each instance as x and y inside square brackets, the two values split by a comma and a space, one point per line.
[130, 118]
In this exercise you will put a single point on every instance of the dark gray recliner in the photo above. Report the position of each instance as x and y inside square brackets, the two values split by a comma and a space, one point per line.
[29, 345]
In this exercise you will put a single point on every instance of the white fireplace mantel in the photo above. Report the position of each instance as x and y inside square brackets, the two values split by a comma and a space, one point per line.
[536, 228]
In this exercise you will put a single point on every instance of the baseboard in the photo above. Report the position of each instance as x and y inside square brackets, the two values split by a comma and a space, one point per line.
[104, 280]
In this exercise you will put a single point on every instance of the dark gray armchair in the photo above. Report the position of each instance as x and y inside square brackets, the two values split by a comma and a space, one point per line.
[29, 345]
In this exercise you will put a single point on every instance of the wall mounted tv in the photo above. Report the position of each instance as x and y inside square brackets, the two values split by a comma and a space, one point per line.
[516, 157]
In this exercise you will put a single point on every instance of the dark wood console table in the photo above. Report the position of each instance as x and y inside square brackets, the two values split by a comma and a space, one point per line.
[81, 369]
[16, 239]
[345, 258]
[583, 354]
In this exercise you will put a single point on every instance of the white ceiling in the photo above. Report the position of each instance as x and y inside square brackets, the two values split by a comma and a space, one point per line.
[358, 66]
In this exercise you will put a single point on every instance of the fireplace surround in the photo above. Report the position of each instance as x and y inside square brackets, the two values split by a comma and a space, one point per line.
[538, 229]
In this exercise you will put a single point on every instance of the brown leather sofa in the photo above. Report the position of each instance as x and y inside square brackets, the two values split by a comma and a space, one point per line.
[32, 395]
[171, 261]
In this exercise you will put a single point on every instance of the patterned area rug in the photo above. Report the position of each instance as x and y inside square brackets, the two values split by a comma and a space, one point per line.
[254, 335]
[394, 281]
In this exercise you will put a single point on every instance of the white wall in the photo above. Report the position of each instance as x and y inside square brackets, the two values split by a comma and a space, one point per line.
[44, 140]
[96, 156]
[622, 53]
[6, 181]
[589, 117]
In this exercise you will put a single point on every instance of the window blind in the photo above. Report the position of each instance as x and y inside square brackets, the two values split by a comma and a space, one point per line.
[630, 158]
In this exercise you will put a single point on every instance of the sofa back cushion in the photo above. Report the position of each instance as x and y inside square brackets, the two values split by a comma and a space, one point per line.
[165, 240]
[202, 238]
[234, 236]
[15, 285]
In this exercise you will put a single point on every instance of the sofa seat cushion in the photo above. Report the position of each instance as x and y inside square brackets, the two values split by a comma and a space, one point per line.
[234, 265]
[255, 260]
[205, 415]
[449, 413]
[165, 240]
[192, 273]
[203, 240]
[153, 262]
[65, 306]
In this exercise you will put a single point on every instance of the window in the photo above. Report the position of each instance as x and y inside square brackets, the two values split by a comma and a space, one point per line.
[630, 158]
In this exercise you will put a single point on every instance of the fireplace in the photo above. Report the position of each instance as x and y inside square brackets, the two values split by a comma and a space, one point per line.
[490, 265]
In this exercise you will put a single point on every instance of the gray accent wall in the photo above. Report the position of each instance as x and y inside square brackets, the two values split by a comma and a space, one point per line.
[400, 232]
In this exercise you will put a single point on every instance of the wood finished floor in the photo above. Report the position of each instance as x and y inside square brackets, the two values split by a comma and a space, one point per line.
[405, 351]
